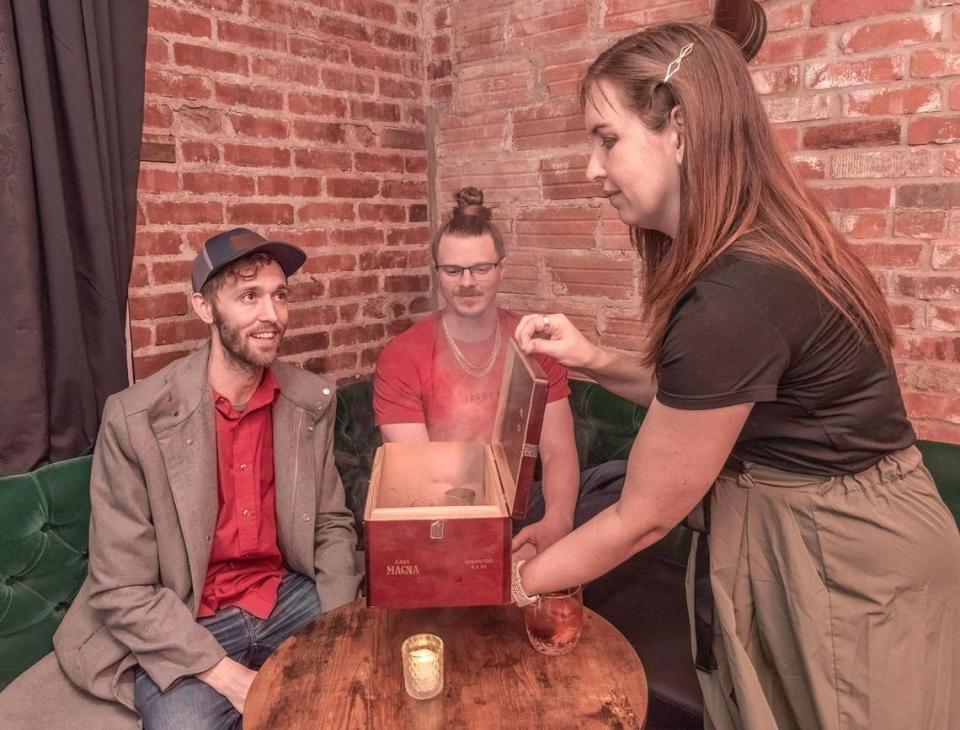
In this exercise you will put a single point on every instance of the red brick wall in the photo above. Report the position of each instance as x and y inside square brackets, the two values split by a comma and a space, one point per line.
[302, 120]
[310, 120]
[864, 92]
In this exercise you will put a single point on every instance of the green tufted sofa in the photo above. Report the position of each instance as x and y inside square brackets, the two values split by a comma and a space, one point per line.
[45, 514]
[43, 557]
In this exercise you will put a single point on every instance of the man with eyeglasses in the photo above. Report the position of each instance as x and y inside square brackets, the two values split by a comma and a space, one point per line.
[440, 380]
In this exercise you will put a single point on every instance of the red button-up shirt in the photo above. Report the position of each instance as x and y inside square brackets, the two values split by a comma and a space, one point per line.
[245, 566]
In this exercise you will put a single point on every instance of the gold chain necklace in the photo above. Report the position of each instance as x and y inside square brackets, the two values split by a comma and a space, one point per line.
[465, 365]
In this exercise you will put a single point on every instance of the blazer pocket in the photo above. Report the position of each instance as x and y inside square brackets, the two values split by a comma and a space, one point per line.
[86, 649]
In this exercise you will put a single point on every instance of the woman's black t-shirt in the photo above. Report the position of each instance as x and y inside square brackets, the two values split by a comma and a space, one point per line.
[750, 330]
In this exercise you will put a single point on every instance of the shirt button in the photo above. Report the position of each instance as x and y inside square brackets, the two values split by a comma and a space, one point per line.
[243, 467]
[310, 429]
[207, 538]
[325, 391]
[245, 512]
[306, 517]
[189, 441]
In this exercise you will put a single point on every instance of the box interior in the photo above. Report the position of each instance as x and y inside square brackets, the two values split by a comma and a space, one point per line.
[455, 479]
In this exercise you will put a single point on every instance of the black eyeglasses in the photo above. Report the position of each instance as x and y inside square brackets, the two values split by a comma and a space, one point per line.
[477, 270]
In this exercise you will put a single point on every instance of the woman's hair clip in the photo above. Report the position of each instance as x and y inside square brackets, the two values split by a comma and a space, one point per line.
[675, 63]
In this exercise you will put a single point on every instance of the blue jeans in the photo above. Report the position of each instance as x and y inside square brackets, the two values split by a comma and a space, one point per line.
[190, 703]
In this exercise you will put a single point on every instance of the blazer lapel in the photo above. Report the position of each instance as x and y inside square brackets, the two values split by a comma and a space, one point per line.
[182, 419]
[296, 418]
[286, 446]
[190, 455]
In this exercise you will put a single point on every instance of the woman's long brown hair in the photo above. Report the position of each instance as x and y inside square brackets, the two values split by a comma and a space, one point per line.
[738, 189]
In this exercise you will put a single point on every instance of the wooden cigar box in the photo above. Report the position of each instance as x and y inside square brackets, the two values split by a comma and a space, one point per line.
[438, 516]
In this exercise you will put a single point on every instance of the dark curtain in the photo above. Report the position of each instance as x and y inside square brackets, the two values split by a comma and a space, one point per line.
[71, 115]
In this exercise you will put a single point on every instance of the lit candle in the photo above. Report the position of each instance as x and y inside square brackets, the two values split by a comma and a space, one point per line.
[423, 666]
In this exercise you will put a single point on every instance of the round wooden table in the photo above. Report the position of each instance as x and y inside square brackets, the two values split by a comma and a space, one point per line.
[344, 671]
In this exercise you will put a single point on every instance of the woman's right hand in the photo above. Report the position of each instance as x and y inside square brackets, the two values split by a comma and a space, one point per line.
[555, 336]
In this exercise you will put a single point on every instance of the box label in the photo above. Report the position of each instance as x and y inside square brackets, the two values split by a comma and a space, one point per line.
[406, 568]
[403, 567]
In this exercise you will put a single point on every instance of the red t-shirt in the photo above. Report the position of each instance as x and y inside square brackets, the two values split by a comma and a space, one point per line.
[418, 380]
[245, 566]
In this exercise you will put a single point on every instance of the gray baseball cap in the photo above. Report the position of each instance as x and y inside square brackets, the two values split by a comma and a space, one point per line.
[227, 247]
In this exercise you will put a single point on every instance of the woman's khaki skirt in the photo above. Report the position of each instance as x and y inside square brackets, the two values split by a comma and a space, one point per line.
[837, 601]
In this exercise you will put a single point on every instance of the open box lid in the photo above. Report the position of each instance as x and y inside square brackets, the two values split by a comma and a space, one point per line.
[516, 429]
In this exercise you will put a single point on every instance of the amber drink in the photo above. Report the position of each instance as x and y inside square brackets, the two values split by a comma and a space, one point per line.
[554, 622]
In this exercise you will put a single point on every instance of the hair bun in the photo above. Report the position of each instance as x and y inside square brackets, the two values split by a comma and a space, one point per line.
[470, 202]
[468, 196]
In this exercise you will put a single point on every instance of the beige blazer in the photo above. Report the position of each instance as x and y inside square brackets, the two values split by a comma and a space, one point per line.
[153, 492]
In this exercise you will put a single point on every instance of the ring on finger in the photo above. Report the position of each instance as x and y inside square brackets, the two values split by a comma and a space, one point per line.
[546, 321]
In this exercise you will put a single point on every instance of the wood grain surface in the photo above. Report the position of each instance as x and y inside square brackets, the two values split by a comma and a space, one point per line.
[344, 671]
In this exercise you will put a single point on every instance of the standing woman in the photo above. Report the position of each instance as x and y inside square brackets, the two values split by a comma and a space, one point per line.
[775, 415]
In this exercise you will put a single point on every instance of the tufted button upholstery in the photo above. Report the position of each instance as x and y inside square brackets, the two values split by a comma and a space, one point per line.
[43, 557]
[604, 424]
[943, 461]
[44, 520]
[356, 438]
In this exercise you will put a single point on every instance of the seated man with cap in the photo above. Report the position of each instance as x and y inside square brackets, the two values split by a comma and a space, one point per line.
[218, 524]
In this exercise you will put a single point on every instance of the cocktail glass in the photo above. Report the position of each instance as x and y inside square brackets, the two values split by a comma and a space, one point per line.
[554, 622]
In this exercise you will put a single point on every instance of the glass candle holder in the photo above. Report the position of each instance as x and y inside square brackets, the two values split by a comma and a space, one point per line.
[554, 622]
[422, 658]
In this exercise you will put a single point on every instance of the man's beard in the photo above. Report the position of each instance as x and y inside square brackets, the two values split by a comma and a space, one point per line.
[238, 349]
